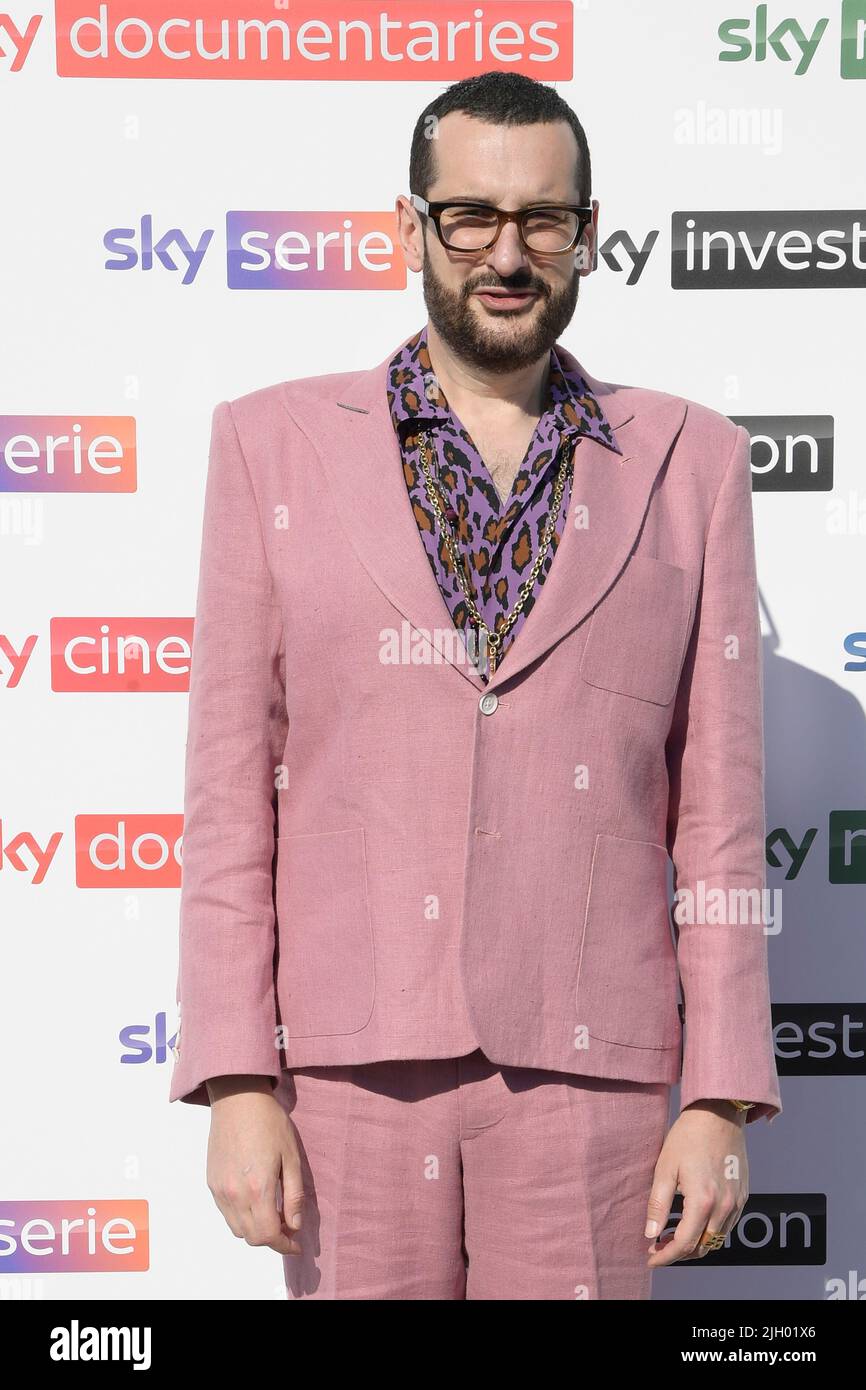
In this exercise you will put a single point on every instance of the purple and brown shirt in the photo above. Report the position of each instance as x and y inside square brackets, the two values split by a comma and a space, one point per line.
[497, 540]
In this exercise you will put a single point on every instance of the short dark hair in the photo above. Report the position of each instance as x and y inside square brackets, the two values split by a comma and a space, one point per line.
[502, 98]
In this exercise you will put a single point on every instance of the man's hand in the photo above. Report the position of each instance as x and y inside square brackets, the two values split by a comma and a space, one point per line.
[704, 1158]
[252, 1152]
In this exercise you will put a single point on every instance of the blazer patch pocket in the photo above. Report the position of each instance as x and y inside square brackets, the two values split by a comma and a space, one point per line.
[326, 975]
[637, 635]
[628, 974]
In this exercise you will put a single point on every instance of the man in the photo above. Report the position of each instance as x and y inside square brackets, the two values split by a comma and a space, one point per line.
[428, 973]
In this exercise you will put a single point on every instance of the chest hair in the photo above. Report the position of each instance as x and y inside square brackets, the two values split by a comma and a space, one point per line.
[503, 457]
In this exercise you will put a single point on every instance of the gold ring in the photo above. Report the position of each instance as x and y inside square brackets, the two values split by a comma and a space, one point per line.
[712, 1240]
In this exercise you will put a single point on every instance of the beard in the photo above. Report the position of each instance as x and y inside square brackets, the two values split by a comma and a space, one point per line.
[518, 338]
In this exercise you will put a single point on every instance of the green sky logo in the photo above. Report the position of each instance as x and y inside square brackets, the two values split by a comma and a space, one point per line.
[788, 42]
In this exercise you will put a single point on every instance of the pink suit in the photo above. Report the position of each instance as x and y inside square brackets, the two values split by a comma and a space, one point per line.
[380, 861]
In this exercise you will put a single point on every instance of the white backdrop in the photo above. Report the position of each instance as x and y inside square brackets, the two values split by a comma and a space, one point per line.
[672, 129]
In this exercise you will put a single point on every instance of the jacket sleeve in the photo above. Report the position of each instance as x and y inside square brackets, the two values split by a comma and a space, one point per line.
[716, 819]
[237, 728]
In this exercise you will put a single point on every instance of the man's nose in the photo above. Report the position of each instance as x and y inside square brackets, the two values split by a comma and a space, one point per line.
[509, 254]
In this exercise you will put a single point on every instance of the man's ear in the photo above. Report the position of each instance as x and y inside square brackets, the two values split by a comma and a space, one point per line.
[410, 233]
[594, 225]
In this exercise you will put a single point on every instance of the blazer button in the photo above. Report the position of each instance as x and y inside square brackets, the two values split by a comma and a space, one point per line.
[488, 703]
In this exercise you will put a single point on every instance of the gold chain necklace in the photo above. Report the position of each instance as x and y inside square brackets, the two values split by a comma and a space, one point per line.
[492, 638]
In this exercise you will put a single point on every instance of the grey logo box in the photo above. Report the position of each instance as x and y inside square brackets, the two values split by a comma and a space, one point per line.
[790, 453]
[815, 248]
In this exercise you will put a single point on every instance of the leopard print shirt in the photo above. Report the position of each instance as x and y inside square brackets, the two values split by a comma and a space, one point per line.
[497, 541]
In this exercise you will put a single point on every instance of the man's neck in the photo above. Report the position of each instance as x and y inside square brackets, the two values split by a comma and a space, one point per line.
[474, 393]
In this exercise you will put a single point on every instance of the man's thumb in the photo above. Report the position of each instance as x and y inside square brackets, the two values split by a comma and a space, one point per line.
[658, 1208]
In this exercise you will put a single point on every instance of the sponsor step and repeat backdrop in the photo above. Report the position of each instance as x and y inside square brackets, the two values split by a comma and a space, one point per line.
[199, 201]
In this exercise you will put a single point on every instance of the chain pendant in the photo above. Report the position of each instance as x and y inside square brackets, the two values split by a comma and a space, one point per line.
[492, 645]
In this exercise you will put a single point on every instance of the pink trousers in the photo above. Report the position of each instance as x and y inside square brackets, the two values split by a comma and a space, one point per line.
[459, 1179]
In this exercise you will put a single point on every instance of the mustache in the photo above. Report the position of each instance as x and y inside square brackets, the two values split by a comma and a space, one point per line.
[516, 284]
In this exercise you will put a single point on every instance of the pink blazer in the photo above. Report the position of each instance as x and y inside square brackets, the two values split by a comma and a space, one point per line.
[385, 858]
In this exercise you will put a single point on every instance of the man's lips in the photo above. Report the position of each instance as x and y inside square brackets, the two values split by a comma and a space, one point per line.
[506, 299]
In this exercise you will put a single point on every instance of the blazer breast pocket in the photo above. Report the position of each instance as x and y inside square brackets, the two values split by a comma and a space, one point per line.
[628, 973]
[326, 974]
[637, 635]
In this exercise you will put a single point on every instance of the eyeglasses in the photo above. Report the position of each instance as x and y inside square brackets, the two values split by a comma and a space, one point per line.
[463, 226]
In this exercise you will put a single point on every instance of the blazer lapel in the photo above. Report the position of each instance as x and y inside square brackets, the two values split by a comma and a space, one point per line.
[353, 436]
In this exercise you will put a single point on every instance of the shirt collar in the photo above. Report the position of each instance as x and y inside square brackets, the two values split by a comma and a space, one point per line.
[415, 394]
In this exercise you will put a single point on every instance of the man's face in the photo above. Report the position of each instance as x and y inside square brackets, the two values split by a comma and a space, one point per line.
[509, 167]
